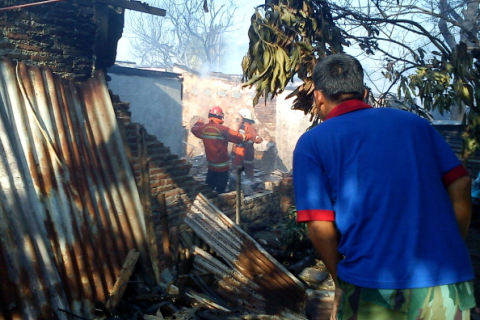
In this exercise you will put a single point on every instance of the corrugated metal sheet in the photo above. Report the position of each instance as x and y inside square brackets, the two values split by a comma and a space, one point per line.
[249, 278]
[69, 207]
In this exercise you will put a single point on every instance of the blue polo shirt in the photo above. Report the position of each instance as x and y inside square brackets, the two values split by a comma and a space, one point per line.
[381, 175]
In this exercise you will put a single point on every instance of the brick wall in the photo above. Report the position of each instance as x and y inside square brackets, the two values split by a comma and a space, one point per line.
[266, 113]
[65, 36]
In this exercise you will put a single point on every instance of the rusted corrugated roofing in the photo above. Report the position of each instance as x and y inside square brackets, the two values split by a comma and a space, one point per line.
[249, 278]
[69, 207]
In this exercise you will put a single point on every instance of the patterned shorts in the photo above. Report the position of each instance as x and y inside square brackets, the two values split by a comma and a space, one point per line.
[447, 302]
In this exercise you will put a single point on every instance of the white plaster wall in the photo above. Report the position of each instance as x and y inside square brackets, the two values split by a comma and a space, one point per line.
[156, 103]
[291, 124]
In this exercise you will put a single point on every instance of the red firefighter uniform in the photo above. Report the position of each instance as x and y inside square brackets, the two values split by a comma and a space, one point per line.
[243, 153]
[216, 137]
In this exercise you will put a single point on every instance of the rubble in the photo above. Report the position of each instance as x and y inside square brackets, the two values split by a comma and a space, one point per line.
[249, 186]
[228, 276]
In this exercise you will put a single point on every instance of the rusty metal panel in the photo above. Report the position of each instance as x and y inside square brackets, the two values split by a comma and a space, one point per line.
[248, 276]
[69, 206]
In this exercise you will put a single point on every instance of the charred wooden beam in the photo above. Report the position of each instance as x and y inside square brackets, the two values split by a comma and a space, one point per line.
[119, 287]
[136, 6]
[167, 255]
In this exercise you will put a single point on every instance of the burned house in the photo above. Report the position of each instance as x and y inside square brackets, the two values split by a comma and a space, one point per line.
[170, 102]
[91, 201]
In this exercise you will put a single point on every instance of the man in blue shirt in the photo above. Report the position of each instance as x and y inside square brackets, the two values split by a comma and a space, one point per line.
[386, 202]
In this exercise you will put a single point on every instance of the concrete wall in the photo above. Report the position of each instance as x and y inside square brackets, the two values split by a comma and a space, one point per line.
[290, 125]
[155, 102]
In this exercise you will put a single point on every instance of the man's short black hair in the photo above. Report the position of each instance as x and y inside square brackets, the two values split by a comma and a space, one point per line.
[337, 75]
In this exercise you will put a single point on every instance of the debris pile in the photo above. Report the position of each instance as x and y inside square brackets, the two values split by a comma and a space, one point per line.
[227, 275]
[246, 276]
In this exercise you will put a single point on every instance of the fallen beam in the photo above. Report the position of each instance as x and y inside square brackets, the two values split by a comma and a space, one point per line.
[136, 6]
[120, 285]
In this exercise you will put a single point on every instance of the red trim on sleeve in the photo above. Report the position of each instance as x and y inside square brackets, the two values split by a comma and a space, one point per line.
[454, 174]
[315, 215]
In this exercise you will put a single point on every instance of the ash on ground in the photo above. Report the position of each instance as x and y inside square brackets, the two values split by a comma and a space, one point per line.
[249, 186]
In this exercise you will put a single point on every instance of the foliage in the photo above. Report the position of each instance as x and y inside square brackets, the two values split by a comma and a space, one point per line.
[426, 48]
[294, 234]
[452, 80]
[286, 40]
[191, 33]
[391, 101]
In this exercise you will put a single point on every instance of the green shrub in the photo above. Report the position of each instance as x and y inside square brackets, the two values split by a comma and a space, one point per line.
[294, 235]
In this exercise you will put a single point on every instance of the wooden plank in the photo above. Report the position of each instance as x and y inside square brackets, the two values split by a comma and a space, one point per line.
[136, 6]
[167, 254]
[121, 283]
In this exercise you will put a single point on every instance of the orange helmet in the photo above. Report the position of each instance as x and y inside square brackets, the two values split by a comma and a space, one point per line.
[216, 112]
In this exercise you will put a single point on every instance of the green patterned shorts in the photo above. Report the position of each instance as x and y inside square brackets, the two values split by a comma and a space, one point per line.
[447, 302]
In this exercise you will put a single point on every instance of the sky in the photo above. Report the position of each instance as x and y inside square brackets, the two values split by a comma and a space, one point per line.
[238, 46]
[237, 40]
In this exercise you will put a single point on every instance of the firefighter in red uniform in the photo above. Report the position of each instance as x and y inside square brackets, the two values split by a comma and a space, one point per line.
[215, 139]
[243, 153]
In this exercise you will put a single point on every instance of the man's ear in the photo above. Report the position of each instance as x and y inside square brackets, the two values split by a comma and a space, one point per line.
[319, 98]
[365, 94]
